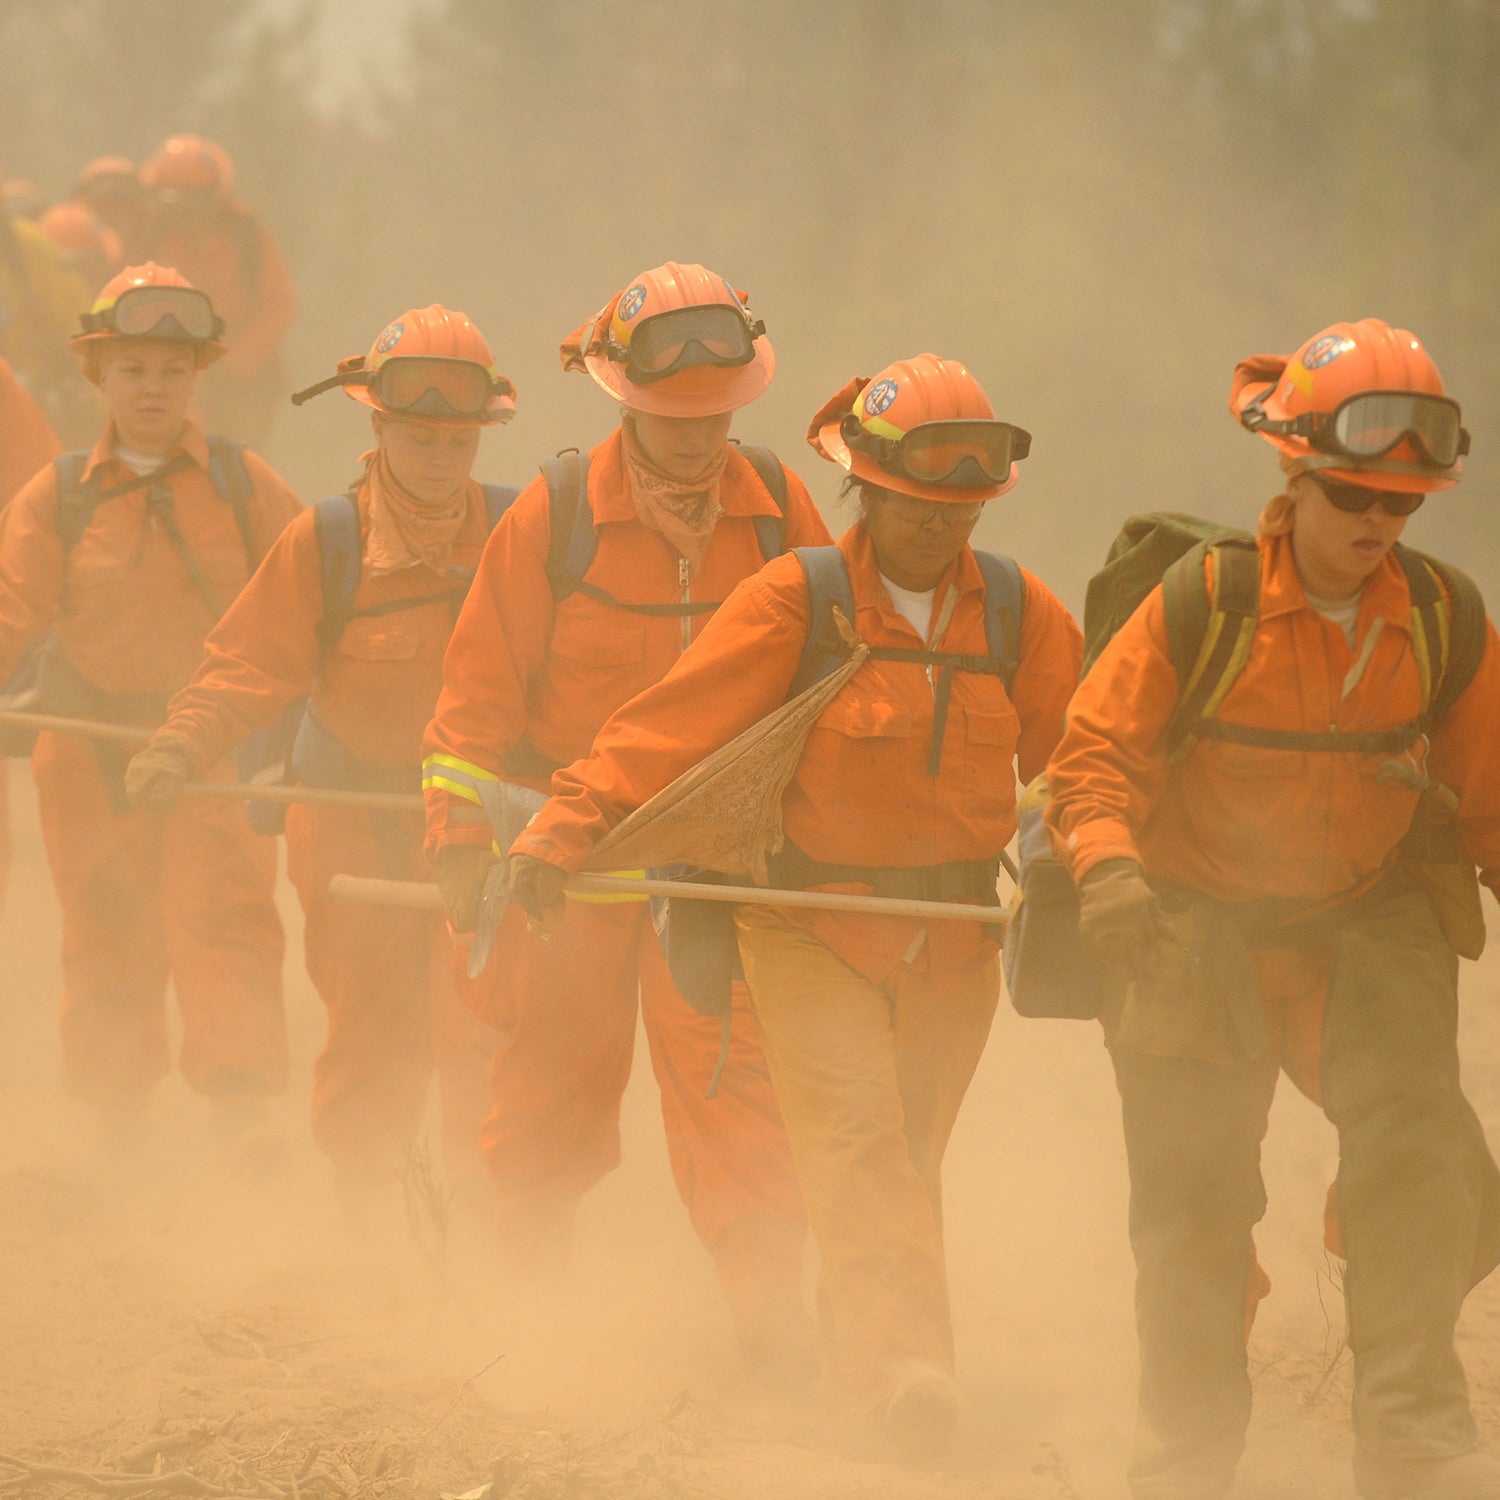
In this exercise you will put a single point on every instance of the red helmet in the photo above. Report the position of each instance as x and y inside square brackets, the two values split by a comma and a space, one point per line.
[81, 234]
[679, 341]
[1362, 402]
[189, 167]
[431, 364]
[151, 302]
[925, 427]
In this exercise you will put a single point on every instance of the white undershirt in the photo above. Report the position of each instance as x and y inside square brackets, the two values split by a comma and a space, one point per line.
[139, 463]
[914, 608]
[1343, 612]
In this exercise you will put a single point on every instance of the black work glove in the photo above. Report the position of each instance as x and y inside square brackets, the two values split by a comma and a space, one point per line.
[459, 871]
[1118, 916]
[155, 776]
[536, 887]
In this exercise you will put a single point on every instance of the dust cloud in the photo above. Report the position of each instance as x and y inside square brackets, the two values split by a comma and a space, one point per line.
[1099, 208]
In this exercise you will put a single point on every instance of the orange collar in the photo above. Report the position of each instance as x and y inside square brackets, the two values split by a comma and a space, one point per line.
[963, 575]
[192, 442]
[1281, 592]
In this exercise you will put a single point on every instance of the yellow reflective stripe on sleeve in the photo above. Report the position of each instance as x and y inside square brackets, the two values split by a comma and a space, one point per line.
[612, 900]
[460, 777]
[456, 789]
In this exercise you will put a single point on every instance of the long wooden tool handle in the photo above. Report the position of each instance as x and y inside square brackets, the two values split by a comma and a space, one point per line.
[415, 893]
[317, 796]
[126, 734]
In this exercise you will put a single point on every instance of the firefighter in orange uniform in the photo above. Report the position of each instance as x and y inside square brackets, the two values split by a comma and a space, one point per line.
[905, 787]
[592, 586]
[1279, 857]
[110, 186]
[352, 610]
[118, 562]
[197, 224]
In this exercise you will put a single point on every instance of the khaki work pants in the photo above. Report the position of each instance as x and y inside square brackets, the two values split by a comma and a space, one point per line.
[870, 1078]
[1366, 1024]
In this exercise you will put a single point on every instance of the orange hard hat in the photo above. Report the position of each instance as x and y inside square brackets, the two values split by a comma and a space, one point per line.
[189, 166]
[81, 234]
[1362, 402]
[108, 176]
[23, 199]
[923, 426]
[678, 341]
[151, 302]
[431, 364]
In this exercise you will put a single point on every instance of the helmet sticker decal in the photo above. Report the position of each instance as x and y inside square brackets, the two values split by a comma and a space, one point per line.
[390, 338]
[631, 302]
[1326, 349]
[879, 396]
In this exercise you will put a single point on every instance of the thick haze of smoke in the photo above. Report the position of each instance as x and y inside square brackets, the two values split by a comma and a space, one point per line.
[1099, 207]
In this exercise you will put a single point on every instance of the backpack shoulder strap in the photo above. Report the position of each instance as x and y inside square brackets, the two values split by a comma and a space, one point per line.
[573, 543]
[75, 503]
[336, 521]
[498, 498]
[828, 584]
[1209, 635]
[1004, 610]
[770, 531]
[230, 476]
[1449, 629]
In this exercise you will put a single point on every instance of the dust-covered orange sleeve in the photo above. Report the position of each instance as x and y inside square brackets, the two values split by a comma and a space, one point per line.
[261, 656]
[1108, 770]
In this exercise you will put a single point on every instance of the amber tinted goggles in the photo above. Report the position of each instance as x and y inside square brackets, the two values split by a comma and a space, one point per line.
[963, 454]
[668, 342]
[424, 386]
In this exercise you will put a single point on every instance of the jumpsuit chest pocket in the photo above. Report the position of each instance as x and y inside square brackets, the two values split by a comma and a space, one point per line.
[865, 719]
[590, 633]
[380, 639]
[992, 727]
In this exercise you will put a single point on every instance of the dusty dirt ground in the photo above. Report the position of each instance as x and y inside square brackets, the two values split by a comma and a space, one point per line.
[169, 1310]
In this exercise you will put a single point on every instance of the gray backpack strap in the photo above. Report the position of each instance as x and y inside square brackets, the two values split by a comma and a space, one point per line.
[1004, 610]
[828, 584]
[573, 542]
[75, 503]
[230, 476]
[770, 531]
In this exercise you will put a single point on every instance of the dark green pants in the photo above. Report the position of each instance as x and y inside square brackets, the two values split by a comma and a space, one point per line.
[1418, 1197]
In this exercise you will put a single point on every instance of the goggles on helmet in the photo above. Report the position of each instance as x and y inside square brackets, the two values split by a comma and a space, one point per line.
[1358, 498]
[663, 344]
[963, 454]
[158, 312]
[423, 386]
[1372, 423]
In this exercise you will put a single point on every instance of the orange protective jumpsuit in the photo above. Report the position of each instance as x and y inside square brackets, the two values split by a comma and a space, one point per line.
[233, 257]
[385, 975]
[27, 441]
[1359, 1007]
[872, 1025]
[521, 668]
[142, 899]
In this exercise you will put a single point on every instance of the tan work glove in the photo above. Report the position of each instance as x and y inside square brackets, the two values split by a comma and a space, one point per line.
[1118, 916]
[155, 775]
[536, 887]
[459, 871]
